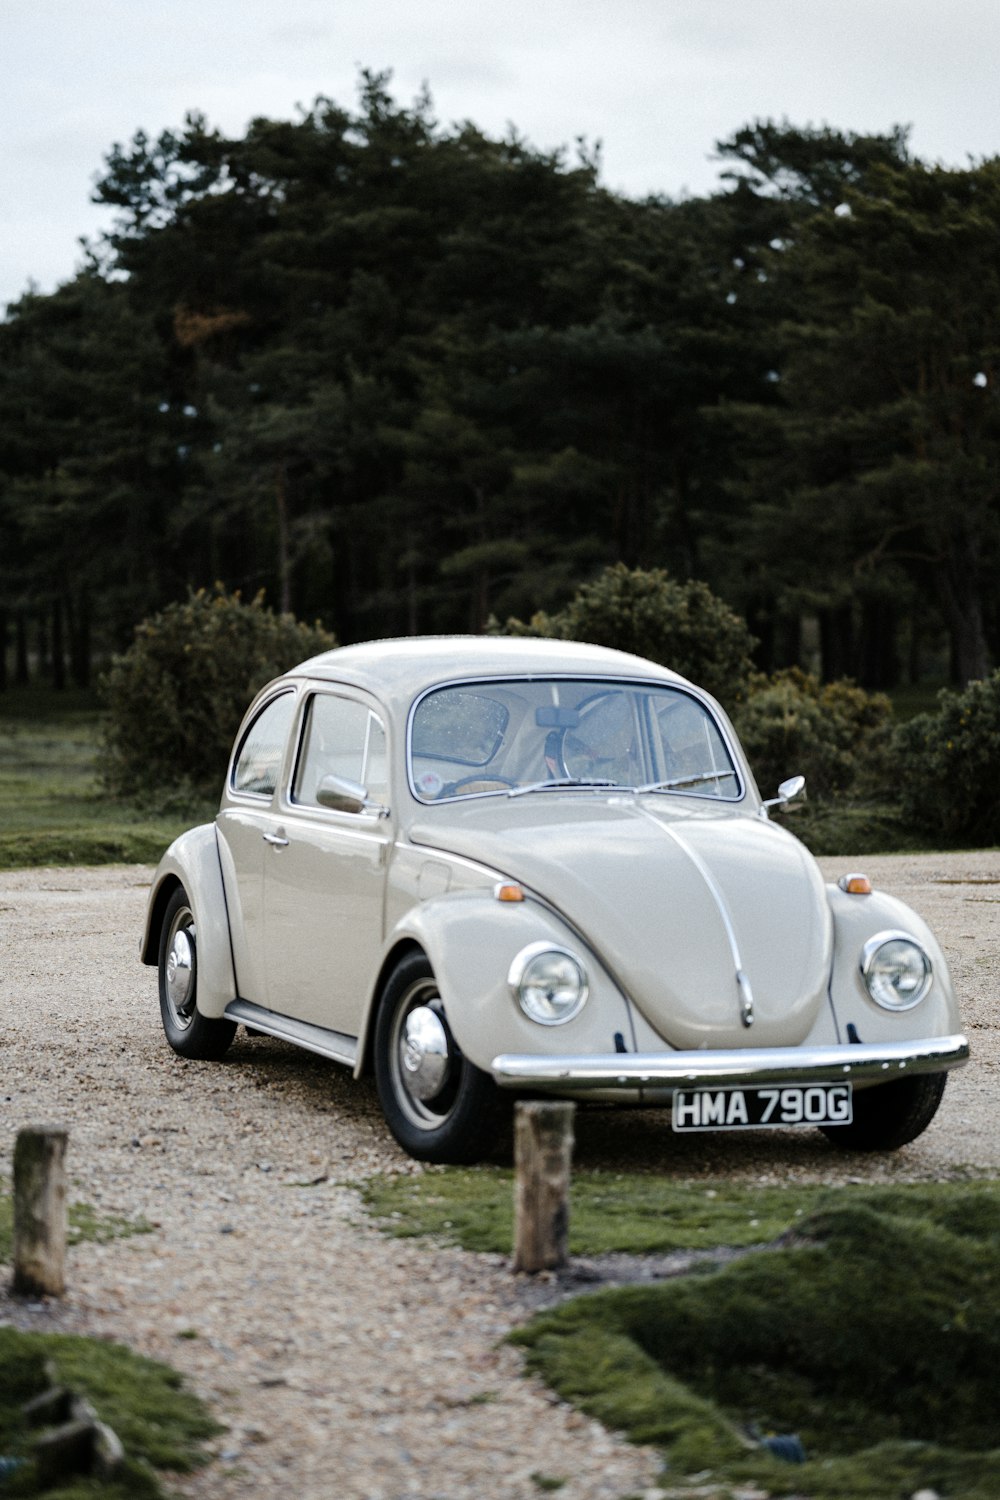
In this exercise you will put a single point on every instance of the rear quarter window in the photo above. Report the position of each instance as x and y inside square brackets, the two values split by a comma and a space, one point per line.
[258, 761]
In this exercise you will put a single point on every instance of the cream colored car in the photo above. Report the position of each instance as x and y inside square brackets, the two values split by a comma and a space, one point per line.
[481, 867]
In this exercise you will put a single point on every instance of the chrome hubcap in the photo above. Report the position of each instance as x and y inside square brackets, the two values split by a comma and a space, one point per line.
[181, 973]
[424, 1053]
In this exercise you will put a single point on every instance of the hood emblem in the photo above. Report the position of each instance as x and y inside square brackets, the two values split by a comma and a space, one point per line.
[746, 998]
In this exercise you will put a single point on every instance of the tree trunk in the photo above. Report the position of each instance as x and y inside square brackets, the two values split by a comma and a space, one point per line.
[284, 560]
[788, 641]
[21, 673]
[964, 615]
[58, 645]
[878, 662]
[836, 642]
[78, 616]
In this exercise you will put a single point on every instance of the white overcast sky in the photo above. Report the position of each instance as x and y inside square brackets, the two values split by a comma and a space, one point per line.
[657, 81]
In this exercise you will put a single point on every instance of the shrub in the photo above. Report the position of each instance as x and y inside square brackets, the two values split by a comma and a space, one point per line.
[951, 764]
[835, 734]
[680, 625]
[177, 695]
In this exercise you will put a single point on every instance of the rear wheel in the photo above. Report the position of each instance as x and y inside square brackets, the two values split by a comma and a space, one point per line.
[438, 1105]
[189, 1032]
[890, 1115]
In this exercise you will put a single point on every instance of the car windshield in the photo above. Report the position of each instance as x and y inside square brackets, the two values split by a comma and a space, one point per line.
[517, 736]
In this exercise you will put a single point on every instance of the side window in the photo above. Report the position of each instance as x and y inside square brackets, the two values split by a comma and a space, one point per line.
[692, 751]
[376, 773]
[342, 738]
[259, 759]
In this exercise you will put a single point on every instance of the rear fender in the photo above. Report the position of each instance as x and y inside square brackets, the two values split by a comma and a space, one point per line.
[471, 940]
[192, 861]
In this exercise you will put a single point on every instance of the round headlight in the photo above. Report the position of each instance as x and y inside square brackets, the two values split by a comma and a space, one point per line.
[896, 970]
[549, 984]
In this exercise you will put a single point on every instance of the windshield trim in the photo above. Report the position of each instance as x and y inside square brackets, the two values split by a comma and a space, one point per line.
[682, 686]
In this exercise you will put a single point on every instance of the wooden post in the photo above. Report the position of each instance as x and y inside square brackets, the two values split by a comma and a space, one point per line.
[40, 1212]
[543, 1146]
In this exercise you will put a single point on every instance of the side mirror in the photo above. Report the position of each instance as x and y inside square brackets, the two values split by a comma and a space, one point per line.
[786, 791]
[341, 795]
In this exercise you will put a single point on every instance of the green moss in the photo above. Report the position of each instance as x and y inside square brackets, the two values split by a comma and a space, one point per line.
[873, 1334]
[632, 1212]
[161, 1425]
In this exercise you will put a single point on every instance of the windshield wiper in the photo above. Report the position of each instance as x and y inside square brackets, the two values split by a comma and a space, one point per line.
[563, 781]
[670, 786]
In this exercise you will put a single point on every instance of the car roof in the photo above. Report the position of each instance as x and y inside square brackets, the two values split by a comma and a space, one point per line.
[402, 667]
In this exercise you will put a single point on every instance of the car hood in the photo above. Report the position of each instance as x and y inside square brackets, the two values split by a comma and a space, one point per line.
[675, 899]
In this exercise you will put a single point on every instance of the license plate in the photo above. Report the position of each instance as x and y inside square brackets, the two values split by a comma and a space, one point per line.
[760, 1108]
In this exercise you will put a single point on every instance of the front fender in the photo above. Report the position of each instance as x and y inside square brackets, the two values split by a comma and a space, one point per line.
[471, 940]
[192, 861]
[855, 920]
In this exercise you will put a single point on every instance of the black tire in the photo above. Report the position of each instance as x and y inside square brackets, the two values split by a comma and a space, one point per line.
[890, 1115]
[438, 1105]
[189, 1032]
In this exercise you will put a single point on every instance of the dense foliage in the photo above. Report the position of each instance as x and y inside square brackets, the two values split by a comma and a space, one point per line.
[951, 757]
[406, 376]
[834, 734]
[177, 695]
[681, 625]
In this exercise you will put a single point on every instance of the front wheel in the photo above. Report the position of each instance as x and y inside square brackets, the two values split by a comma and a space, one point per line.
[189, 1032]
[438, 1105]
[890, 1115]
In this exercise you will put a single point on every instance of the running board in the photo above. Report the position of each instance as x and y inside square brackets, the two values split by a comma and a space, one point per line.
[332, 1044]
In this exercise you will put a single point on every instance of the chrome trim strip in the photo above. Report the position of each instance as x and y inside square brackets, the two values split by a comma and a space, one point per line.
[863, 1063]
[332, 1044]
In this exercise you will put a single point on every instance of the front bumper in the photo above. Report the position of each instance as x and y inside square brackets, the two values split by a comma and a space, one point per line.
[653, 1076]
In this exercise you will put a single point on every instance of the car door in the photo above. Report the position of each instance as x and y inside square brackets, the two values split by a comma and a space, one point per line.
[324, 890]
[247, 826]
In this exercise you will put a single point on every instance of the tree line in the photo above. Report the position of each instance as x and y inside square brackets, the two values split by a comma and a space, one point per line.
[406, 377]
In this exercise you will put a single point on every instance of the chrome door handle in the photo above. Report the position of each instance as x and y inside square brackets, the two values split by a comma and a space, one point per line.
[276, 839]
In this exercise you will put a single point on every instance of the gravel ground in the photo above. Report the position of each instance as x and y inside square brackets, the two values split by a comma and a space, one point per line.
[349, 1366]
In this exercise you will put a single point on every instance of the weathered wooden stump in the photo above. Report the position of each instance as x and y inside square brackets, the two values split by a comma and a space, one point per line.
[543, 1148]
[40, 1211]
[75, 1441]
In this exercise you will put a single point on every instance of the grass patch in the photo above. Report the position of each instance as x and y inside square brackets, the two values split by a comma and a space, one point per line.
[85, 1223]
[53, 810]
[161, 1425]
[873, 1334]
[473, 1207]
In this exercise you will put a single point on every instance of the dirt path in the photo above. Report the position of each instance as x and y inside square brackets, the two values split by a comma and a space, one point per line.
[350, 1366]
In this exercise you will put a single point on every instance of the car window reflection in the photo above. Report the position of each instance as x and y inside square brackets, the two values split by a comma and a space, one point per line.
[549, 734]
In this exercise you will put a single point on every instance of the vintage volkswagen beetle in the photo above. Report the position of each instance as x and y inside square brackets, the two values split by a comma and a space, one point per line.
[484, 866]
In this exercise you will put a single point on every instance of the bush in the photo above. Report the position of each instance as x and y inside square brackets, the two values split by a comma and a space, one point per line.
[680, 625]
[835, 734]
[177, 696]
[951, 764]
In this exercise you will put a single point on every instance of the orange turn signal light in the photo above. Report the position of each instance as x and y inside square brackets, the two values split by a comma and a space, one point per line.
[855, 885]
[508, 892]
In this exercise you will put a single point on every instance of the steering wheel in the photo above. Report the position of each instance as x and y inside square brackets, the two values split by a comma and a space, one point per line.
[486, 783]
[577, 758]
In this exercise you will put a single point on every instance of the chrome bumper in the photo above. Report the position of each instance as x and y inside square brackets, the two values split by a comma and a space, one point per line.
[654, 1075]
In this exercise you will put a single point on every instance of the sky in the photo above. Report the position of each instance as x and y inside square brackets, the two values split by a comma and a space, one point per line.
[657, 82]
